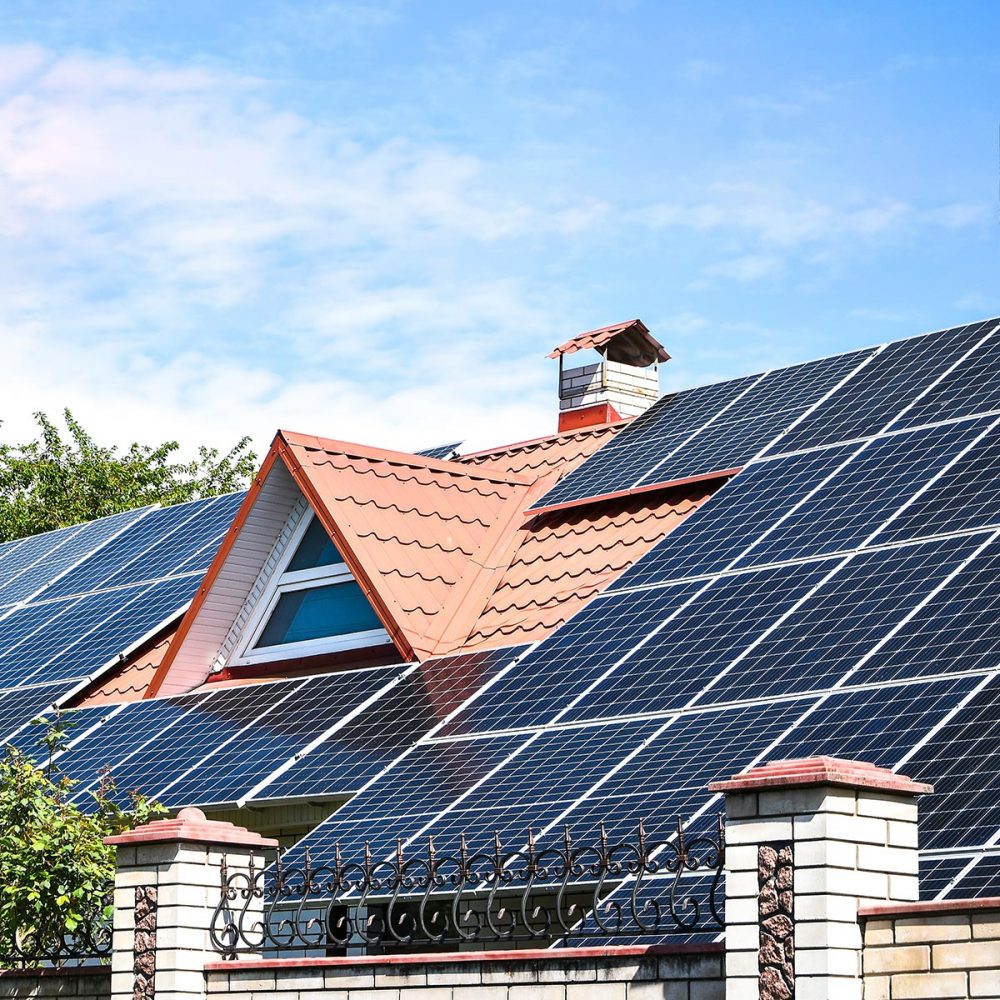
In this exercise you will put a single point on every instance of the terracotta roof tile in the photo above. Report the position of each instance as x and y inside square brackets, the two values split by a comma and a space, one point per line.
[130, 681]
[566, 557]
[641, 343]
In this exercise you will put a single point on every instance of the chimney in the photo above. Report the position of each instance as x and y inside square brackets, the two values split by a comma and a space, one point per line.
[621, 385]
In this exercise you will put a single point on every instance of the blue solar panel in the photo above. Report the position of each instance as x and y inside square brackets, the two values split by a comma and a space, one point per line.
[76, 545]
[957, 630]
[226, 774]
[878, 725]
[649, 438]
[372, 740]
[559, 669]
[142, 538]
[972, 387]
[936, 874]
[962, 761]
[745, 507]
[848, 508]
[880, 390]
[30, 551]
[442, 451]
[981, 880]
[187, 549]
[20, 705]
[966, 497]
[700, 642]
[123, 734]
[842, 622]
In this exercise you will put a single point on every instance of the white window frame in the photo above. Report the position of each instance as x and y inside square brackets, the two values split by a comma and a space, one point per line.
[285, 582]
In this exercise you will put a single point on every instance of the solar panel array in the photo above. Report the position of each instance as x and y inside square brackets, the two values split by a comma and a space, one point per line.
[840, 596]
[73, 601]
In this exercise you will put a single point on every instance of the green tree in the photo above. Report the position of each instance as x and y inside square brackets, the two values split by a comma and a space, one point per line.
[63, 478]
[55, 870]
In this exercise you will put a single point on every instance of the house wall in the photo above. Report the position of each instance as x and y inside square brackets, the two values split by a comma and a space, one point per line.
[639, 973]
[949, 949]
[79, 984]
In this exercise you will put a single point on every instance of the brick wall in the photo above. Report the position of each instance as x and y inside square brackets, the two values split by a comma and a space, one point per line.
[640, 973]
[949, 949]
[76, 984]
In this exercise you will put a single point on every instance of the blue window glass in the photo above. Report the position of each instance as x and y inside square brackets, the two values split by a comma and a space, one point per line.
[319, 612]
[315, 549]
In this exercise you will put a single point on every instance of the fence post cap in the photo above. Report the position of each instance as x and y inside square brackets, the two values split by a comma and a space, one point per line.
[192, 826]
[805, 771]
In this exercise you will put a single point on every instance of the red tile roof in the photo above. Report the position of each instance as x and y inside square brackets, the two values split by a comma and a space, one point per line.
[567, 557]
[633, 331]
[131, 680]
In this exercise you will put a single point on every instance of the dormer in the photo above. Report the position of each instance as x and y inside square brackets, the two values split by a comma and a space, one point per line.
[623, 383]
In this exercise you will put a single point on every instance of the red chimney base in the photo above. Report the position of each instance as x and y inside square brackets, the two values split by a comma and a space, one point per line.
[587, 416]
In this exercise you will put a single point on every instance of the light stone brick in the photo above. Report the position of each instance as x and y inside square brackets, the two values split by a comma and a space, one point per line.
[741, 805]
[758, 831]
[823, 906]
[568, 972]
[901, 958]
[827, 962]
[742, 989]
[537, 993]
[595, 991]
[920, 986]
[502, 975]
[834, 853]
[741, 963]
[742, 937]
[878, 933]
[790, 801]
[940, 927]
[895, 860]
[658, 991]
[741, 859]
[347, 978]
[478, 993]
[841, 882]
[967, 955]
[326, 995]
[742, 910]
[984, 984]
[837, 826]
[904, 887]
[902, 834]
[459, 974]
[827, 988]
[877, 987]
[986, 924]
[902, 807]
[741, 884]
[250, 981]
[400, 976]
[827, 934]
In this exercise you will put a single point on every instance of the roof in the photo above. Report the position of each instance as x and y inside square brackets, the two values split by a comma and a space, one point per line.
[566, 558]
[131, 680]
[631, 343]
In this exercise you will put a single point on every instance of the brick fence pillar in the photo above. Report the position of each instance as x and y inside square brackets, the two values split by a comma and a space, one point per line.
[167, 886]
[807, 843]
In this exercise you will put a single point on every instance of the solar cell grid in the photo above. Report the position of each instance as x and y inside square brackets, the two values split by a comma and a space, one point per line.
[75, 547]
[936, 874]
[122, 735]
[700, 642]
[29, 552]
[18, 706]
[185, 550]
[356, 752]
[842, 621]
[145, 536]
[129, 614]
[962, 761]
[651, 436]
[217, 718]
[548, 678]
[966, 497]
[849, 507]
[878, 725]
[958, 629]
[880, 390]
[981, 880]
[745, 507]
[225, 774]
[972, 387]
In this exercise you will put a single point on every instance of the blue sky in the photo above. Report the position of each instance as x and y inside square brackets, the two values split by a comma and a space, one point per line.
[372, 220]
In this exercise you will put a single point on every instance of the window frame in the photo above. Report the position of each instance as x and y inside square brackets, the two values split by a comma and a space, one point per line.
[286, 582]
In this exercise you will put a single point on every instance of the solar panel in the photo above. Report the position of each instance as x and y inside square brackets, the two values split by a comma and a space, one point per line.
[225, 773]
[18, 706]
[962, 761]
[851, 505]
[972, 387]
[733, 518]
[368, 743]
[937, 873]
[956, 630]
[442, 451]
[835, 628]
[981, 880]
[879, 391]
[700, 642]
[548, 678]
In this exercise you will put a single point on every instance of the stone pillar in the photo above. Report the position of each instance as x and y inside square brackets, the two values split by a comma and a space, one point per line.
[808, 842]
[167, 886]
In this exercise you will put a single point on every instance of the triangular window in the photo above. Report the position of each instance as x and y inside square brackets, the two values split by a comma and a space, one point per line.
[313, 605]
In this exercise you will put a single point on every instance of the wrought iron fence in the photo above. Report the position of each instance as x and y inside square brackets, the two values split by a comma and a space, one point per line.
[428, 900]
[40, 947]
